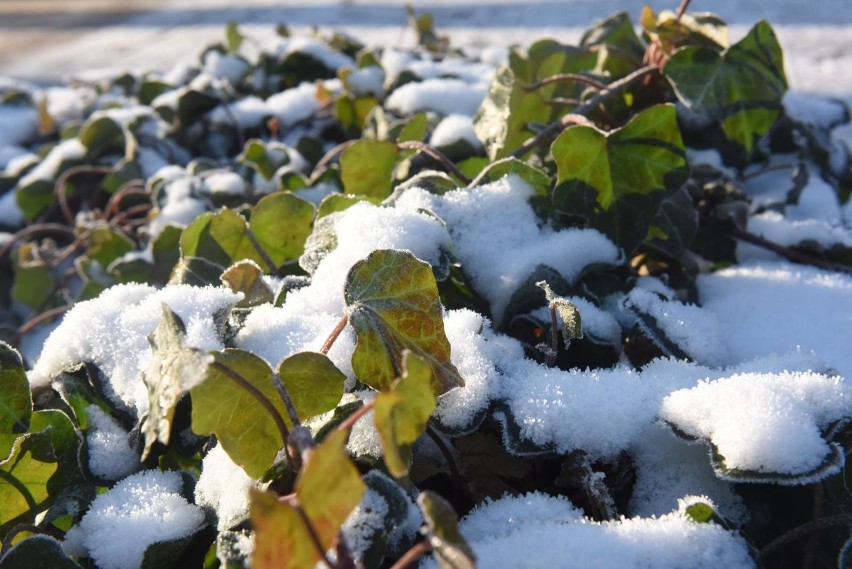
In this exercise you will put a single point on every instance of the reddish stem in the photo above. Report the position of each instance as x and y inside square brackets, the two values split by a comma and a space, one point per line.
[417, 551]
[329, 342]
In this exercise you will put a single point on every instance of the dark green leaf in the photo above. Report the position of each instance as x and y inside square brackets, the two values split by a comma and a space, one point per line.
[450, 548]
[393, 304]
[102, 136]
[741, 87]
[37, 551]
[281, 222]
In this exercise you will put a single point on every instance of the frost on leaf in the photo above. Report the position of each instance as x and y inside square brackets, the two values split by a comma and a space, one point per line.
[393, 305]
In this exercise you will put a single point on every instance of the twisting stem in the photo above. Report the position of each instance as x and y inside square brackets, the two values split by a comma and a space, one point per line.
[330, 157]
[803, 530]
[32, 231]
[350, 421]
[434, 153]
[565, 78]
[329, 342]
[554, 128]
[62, 182]
[791, 255]
[27, 326]
[417, 551]
[259, 396]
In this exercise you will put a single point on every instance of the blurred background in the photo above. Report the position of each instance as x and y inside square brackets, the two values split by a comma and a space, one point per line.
[50, 40]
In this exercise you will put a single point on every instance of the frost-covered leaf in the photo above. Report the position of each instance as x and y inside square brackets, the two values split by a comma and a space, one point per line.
[366, 168]
[448, 545]
[173, 371]
[247, 277]
[233, 403]
[264, 158]
[570, 323]
[37, 551]
[15, 401]
[741, 87]
[281, 222]
[615, 179]
[393, 304]
[403, 412]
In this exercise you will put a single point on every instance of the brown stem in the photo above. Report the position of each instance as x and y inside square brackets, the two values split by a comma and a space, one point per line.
[565, 78]
[27, 326]
[788, 253]
[60, 186]
[417, 551]
[329, 342]
[350, 421]
[32, 231]
[554, 128]
[458, 483]
[259, 396]
[434, 153]
[563, 101]
[131, 188]
[681, 10]
[798, 532]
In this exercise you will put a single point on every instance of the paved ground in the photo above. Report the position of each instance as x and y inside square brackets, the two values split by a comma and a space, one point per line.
[45, 40]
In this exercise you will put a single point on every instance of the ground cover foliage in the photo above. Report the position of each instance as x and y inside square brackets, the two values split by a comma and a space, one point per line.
[312, 303]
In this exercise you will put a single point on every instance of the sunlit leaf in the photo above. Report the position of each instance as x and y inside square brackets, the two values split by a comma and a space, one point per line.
[402, 413]
[366, 168]
[247, 277]
[570, 323]
[282, 540]
[450, 548]
[314, 384]
[173, 371]
[15, 401]
[24, 476]
[281, 222]
[393, 304]
[741, 87]
[221, 238]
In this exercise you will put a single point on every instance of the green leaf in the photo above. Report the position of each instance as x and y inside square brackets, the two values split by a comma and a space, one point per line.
[450, 548]
[16, 404]
[570, 323]
[366, 168]
[35, 197]
[282, 540]
[675, 225]
[337, 202]
[741, 87]
[230, 403]
[34, 282]
[700, 512]
[37, 551]
[329, 487]
[196, 271]
[402, 413]
[281, 222]
[247, 277]
[101, 136]
[222, 238]
[535, 177]
[314, 384]
[265, 158]
[393, 304]
[233, 37]
[615, 179]
[24, 476]
[106, 245]
[173, 371]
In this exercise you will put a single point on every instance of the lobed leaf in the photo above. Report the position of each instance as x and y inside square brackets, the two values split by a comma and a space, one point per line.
[366, 168]
[281, 222]
[393, 305]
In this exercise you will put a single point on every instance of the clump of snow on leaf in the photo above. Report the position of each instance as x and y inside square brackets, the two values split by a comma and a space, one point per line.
[111, 332]
[141, 510]
[768, 423]
[443, 96]
[454, 128]
[110, 455]
[223, 486]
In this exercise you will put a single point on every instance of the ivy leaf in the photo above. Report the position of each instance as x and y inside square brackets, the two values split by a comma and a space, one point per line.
[25, 471]
[34, 281]
[16, 405]
[281, 222]
[247, 277]
[234, 402]
[570, 322]
[675, 225]
[615, 179]
[102, 135]
[402, 413]
[329, 487]
[366, 168]
[450, 548]
[173, 371]
[741, 87]
[264, 158]
[314, 384]
[282, 541]
[392, 301]
[37, 551]
[222, 238]
[533, 176]
[233, 37]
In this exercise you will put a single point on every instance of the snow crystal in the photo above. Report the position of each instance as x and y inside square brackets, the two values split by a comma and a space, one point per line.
[443, 96]
[111, 332]
[497, 237]
[367, 519]
[294, 105]
[223, 486]
[669, 468]
[693, 329]
[763, 422]
[141, 510]
[493, 519]
[779, 307]
[110, 455]
[453, 128]
[672, 540]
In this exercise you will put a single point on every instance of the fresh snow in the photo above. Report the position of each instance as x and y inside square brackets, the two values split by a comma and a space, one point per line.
[110, 455]
[454, 128]
[443, 96]
[223, 486]
[141, 510]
